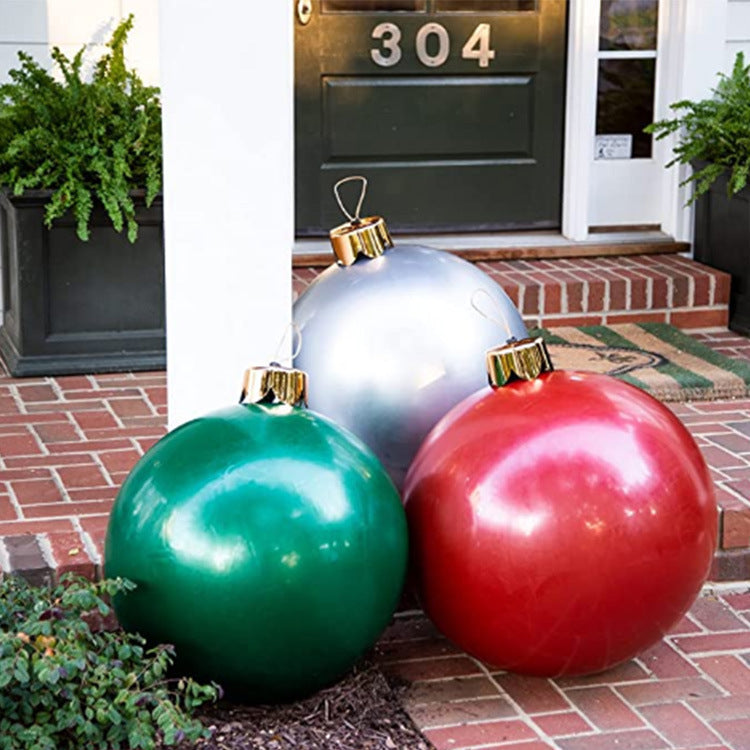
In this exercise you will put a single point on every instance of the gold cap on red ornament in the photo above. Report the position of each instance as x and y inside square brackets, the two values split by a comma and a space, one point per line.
[368, 236]
[525, 359]
[274, 384]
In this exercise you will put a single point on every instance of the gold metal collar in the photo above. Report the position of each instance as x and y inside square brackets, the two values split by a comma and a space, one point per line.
[525, 360]
[274, 384]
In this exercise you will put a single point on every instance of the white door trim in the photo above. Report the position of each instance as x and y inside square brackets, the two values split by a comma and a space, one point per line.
[580, 116]
[692, 41]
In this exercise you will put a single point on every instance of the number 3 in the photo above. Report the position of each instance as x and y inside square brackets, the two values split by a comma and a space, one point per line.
[390, 35]
[477, 46]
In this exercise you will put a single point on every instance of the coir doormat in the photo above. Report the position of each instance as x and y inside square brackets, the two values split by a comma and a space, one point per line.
[657, 357]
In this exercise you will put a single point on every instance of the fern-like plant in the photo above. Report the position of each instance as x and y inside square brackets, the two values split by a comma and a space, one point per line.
[85, 140]
[716, 131]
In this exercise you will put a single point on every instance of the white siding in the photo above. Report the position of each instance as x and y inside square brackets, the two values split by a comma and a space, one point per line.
[738, 32]
[35, 26]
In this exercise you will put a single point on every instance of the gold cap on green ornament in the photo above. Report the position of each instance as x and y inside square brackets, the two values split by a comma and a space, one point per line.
[524, 359]
[274, 384]
[368, 237]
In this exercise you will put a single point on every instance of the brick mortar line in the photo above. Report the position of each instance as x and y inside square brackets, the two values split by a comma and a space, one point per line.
[720, 652]
[78, 429]
[712, 289]
[436, 657]
[522, 715]
[573, 706]
[701, 627]
[149, 403]
[105, 472]
[136, 447]
[472, 699]
[541, 299]
[32, 432]
[45, 547]
[60, 484]
[16, 396]
[111, 411]
[56, 389]
[629, 294]
[15, 503]
[564, 302]
[647, 723]
[733, 492]
[88, 545]
[701, 719]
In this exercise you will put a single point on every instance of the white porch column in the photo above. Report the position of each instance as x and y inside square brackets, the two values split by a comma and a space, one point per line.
[227, 84]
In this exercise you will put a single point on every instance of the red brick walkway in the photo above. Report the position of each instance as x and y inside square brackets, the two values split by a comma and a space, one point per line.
[67, 443]
[691, 690]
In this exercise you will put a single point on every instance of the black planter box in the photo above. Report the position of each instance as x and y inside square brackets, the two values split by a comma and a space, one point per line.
[80, 307]
[722, 240]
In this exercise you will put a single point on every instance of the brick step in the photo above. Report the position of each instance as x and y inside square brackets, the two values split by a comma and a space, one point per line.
[593, 291]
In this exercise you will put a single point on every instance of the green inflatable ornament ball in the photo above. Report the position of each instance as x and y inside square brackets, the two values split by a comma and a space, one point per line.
[267, 544]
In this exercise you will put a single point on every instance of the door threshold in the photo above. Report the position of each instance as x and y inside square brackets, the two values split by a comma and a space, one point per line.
[538, 245]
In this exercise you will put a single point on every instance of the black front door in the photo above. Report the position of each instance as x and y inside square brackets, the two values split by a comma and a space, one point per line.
[453, 109]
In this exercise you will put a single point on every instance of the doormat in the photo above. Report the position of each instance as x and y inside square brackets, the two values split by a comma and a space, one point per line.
[657, 357]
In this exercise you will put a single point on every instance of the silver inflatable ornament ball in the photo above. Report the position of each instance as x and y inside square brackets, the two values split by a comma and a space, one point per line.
[393, 341]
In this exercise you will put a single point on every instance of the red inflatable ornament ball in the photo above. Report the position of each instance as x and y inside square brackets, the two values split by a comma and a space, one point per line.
[561, 523]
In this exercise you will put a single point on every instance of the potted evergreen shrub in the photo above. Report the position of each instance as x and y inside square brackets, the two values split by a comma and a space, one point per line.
[714, 138]
[81, 237]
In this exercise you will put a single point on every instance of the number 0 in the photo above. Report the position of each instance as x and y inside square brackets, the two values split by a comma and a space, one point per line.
[444, 45]
[477, 46]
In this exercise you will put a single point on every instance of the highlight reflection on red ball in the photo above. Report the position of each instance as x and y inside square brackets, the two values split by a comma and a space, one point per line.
[559, 525]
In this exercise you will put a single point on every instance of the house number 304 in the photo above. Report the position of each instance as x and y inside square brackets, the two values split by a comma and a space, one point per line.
[389, 53]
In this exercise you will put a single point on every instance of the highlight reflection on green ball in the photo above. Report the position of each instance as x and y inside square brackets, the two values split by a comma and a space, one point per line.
[267, 544]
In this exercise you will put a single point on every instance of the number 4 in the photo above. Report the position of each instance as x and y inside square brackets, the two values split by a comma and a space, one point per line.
[477, 46]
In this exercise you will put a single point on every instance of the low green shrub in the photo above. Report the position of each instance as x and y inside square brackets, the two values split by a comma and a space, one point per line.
[65, 685]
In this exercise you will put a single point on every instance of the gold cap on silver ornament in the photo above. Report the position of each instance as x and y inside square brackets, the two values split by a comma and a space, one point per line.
[274, 384]
[524, 359]
[368, 236]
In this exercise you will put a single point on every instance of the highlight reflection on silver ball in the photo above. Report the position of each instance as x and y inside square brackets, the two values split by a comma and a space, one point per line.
[393, 341]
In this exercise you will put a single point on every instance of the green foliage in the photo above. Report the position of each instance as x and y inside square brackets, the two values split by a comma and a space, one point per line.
[84, 140]
[714, 130]
[64, 686]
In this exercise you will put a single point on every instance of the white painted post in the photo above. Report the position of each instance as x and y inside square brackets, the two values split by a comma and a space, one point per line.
[227, 82]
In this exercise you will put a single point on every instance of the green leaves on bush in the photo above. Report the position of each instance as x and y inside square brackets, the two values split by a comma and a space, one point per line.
[84, 140]
[66, 686]
[714, 130]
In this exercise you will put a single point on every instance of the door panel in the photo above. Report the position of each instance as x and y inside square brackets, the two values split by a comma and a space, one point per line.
[349, 109]
[458, 126]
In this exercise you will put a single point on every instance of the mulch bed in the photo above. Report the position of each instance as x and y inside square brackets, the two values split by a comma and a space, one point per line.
[362, 712]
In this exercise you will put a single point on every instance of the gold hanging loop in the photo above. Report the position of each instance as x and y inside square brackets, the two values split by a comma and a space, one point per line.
[367, 236]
